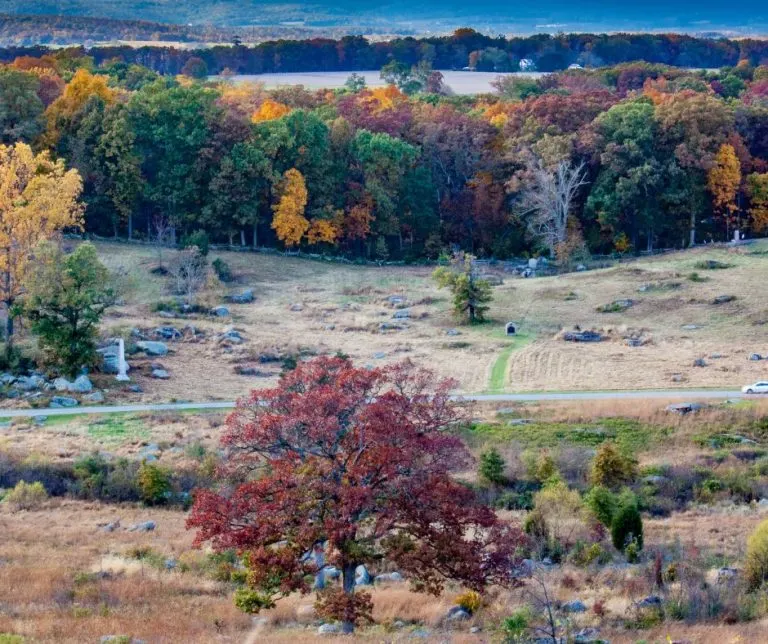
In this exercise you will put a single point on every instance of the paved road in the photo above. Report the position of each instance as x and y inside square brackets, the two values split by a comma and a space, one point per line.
[679, 394]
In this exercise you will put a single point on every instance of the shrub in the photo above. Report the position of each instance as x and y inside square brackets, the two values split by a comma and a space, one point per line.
[10, 638]
[756, 565]
[198, 239]
[602, 504]
[154, 484]
[611, 468]
[222, 270]
[26, 496]
[627, 524]
[515, 627]
[491, 470]
[470, 601]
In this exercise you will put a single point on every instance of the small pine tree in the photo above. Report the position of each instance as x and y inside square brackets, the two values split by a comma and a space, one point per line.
[471, 294]
[491, 468]
[602, 503]
[627, 526]
[611, 468]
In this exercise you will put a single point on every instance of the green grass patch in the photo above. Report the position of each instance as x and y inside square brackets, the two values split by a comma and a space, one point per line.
[498, 376]
[630, 435]
[117, 429]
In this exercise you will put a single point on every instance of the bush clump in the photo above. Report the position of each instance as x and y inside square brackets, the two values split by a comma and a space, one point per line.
[198, 239]
[491, 470]
[627, 526]
[222, 270]
[611, 468]
[26, 496]
[756, 565]
[154, 484]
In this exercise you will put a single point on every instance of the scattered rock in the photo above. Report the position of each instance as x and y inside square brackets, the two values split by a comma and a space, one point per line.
[111, 527]
[634, 342]
[390, 576]
[296, 307]
[574, 606]
[95, 397]
[755, 357]
[398, 625]
[582, 336]
[160, 374]
[684, 408]
[580, 268]
[475, 629]
[723, 299]
[677, 377]
[402, 314]
[244, 370]
[387, 326]
[28, 383]
[135, 389]
[328, 629]
[652, 601]
[170, 564]
[153, 348]
[246, 297]
[690, 327]
[146, 526]
[588, 636]
[40, 420]
[453, 332]
[379, 355]
[167, 333]
[617, 306]
[220, 311]
[699, 362]
[396, 300]
[716, 356]
[457, 614]
[63, 401]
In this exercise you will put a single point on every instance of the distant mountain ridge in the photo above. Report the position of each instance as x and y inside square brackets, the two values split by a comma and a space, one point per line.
[494, 16]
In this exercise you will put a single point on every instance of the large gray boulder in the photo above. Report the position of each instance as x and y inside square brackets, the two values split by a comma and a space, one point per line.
[457, 614]
[402, 314]
[362, 576]
[81, 385]
[29, 383]
[160, 374]
[574, 606]
[246, 297]
[152, 348]
[167, 332]
[328, 629]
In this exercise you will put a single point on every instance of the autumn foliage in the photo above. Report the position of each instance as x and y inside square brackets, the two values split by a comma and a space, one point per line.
[289, 222]
[359, 460]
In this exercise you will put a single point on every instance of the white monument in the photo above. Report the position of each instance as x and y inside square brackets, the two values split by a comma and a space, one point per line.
[122, 365]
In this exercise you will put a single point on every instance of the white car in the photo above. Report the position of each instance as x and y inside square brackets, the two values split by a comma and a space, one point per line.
[757, 388]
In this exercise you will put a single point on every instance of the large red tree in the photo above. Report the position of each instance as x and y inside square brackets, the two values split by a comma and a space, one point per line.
[360, 461]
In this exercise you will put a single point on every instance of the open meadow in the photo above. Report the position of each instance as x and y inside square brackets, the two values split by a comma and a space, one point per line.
[378, 315]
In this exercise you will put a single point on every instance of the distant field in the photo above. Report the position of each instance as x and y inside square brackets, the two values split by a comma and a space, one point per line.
[459, 82]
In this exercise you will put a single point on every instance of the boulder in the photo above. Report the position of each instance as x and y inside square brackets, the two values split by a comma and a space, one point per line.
[153, 348]
[379, 355]
[580, 268]
[684, 408]
[362, 576]
[389, 577]
[81, 385]
[145, 526]
[755, 357]
[112, 526]
[246, 297]
[110, 363]
[244, 370]
[396, 300]
[387, 326]
[402, 314]
[136, 389]
[329, 629]
[582, 336]
[588, 635]
[574, 606]
[160, 374]
[723, 299]
[28, 383]
[220, 311]
[95, 397]
[690, 327]
[296, 307]
[699, 362]
[63, 401]
[453, 332]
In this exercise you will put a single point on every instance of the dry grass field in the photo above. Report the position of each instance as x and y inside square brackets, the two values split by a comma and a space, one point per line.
[309, 307]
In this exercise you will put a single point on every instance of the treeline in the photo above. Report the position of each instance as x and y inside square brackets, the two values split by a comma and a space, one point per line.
[637, 156]
[34, 30]
[463, 48]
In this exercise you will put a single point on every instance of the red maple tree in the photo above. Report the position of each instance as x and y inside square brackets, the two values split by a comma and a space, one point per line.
[360, 461]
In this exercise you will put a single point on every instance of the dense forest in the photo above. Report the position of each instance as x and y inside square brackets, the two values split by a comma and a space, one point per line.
[619, 159]
[464, 48]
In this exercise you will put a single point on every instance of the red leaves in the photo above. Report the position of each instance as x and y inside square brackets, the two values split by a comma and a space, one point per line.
[358, 459]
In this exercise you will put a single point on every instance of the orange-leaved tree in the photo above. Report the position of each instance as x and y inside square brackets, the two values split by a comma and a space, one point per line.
[38, 198]
[355, 464]
[289, 221]
[270, 110]
[723, 181]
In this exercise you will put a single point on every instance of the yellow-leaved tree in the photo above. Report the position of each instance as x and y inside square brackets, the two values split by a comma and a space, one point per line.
[758, 196]
[289, 221]
[723, 181]
[83, 86]
[38, 198]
